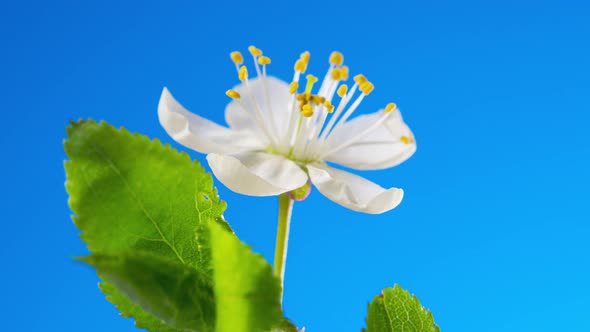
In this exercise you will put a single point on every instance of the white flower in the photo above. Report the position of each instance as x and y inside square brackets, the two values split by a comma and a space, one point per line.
[279, 139]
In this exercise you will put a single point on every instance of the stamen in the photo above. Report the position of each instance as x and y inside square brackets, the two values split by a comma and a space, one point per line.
[342, 90]
[305, 56]
[314, 122]
[328, 81]
[300, 137]
[260, 116]
[305, 135]
[313, 136]
[269, 132]
[317, 100]
[406, 140]
[332, 90]
[237, 58]
[256, 112]
[264, 60]
[343, 73]
[249, 110]
[293, 127]
[366, 87]
[336, 59]
[304, 129]
[254, 51]
[348, 112]
[232, 94]
[336, 74]
[390, 107]
[309, 129]
[243, 73]
[360, 79]
[293, 87]
[307, 110]
[338, 111]
[300, 66]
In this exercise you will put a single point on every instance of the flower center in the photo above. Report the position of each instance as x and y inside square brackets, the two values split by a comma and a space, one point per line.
[312, 117]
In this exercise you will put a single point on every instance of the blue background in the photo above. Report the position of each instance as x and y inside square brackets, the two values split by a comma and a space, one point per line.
[492, 234]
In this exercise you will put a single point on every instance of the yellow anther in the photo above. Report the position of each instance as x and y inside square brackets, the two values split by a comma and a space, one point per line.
[406, 140]
[310, 81]
[329, 107]
[264, 60]
[336, 74]
[342, 90]
[243, 73]
[293, 87]
[305, 57]
[315, 99]
[307, 110]
[336, 59]
[302, 97]
[236, 57]
[254, 51]
[360, 79]
[344, 73]
[232, 94]
[367, 87]
[300, 66]
[390, 107]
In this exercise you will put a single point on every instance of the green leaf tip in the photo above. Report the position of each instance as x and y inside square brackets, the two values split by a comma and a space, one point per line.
[395, 310]
[176, 294]
[285, 326]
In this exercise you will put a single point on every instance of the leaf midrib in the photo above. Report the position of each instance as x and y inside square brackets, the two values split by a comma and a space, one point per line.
[114, 167]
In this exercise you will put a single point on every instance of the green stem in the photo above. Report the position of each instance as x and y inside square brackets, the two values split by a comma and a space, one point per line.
[285, 208]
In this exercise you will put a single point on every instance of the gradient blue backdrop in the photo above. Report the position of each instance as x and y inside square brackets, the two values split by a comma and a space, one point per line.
[492, 234]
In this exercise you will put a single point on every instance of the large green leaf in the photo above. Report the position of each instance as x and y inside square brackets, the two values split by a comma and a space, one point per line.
[246, 291]
[395, 310]
[175, 293]
[132, 194]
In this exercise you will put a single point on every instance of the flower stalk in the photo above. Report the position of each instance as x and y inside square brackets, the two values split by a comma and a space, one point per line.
[285, 208]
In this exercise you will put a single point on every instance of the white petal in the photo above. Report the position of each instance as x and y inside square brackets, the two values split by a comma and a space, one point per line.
[352, 191]
[381, 148]
[198, 133]
[257, 173]
[278, 92]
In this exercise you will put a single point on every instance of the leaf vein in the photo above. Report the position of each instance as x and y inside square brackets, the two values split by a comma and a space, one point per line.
[136, 198]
